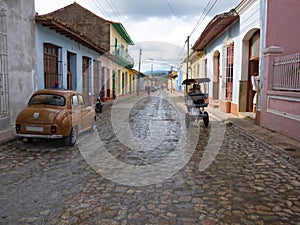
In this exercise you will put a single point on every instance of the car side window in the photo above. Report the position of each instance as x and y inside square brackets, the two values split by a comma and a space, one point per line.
[74, 101]
[81, 100]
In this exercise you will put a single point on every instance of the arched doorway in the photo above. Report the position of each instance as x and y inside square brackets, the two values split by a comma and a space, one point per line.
[253, 68]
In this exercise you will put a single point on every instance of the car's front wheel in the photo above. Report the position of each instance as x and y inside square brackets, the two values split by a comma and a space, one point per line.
[26, 139]
[71, 139]
[206, 119]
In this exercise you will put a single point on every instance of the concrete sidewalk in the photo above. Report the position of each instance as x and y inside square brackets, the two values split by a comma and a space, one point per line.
[286, 147]
[6, 135]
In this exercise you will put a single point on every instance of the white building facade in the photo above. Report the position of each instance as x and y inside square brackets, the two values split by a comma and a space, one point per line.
[231, 47]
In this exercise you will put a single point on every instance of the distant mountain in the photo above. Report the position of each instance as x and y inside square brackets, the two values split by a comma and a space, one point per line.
[162, 75]
[156, 72]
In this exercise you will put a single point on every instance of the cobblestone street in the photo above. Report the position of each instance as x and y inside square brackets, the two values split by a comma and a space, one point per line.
[244, 182]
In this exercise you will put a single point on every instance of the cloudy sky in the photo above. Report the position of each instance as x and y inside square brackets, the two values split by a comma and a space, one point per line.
[153, 22]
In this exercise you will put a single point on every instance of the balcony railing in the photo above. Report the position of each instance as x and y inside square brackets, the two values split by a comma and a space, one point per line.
[287, 73]
[123, 57]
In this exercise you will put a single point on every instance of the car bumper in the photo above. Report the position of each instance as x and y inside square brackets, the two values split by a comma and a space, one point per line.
[51, 136]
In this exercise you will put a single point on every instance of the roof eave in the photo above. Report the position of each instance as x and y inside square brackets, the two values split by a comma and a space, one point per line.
[63, 29]
[121, 30]
[217, 26]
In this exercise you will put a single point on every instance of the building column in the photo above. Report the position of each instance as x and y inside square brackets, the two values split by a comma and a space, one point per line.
[270, 54]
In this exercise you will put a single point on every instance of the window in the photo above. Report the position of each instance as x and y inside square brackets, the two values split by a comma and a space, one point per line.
[116, 47]
[205, 68]
[75, 101]
[86, 77]
[228, 59]
[81, 100]
[254, 46]
[52, 65]
[103, 79]
[4, 98]
[47, 99]
[97, 77]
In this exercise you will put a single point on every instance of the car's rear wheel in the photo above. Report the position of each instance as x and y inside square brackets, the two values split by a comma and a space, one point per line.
[71, 139]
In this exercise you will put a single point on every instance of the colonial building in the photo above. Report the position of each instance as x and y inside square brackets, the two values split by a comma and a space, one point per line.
[107, 35]
[236, 50]
[280, 89]
[67, 56]
[18, 77]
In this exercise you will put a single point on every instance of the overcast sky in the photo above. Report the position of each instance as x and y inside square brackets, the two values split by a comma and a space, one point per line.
[151, 21]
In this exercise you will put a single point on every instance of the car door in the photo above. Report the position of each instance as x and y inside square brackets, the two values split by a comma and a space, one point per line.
[76, 113]
[85, 114]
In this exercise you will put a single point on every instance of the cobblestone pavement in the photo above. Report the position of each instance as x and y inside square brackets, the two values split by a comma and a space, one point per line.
[45, 182]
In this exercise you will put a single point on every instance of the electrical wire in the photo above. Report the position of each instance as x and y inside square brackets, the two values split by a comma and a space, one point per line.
[205, 12]
[173, 11]
[171, 8]
[101, 9]
[114, 10]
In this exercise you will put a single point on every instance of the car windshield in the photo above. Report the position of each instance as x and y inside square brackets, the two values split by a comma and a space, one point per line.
[47, 99]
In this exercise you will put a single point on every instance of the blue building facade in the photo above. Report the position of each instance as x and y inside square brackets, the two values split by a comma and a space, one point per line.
[65, 56]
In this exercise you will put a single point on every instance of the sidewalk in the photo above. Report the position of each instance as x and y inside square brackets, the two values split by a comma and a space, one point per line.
[287, 148]
[6, 135]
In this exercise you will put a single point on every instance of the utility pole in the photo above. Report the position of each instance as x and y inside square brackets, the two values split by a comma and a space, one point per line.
[187, 61]
[151, 77]
[171, 78]
[138, 77]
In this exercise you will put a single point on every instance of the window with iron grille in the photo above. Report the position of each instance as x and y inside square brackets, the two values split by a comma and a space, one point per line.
[86, 77]
[97, 77]
[103, 84]
[228, 59]
[205, 68]
[52, 65]
[4, 99]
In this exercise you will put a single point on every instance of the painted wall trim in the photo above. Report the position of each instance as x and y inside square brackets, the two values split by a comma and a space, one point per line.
[276, 112]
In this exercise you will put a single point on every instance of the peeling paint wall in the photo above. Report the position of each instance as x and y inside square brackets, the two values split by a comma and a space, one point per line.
[21, 53]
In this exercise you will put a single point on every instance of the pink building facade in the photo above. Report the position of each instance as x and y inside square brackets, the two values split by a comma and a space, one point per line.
[279, 108]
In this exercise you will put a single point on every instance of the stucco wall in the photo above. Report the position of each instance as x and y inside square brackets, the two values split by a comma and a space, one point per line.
[45, 35]
[239, 33]
[120, 41]
[280, 110]
[21, 52]
[282, 25]
[228, 36]
[250, 22]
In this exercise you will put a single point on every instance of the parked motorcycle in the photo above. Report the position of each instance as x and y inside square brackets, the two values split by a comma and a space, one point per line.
[99, 105]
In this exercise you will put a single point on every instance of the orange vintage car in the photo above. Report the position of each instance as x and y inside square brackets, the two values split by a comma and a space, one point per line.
[53, 114]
